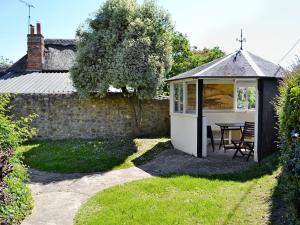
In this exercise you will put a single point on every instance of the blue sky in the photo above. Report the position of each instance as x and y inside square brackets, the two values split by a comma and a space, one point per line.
[271, 27]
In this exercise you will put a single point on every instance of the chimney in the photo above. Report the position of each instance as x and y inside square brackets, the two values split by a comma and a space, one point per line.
[35, 49]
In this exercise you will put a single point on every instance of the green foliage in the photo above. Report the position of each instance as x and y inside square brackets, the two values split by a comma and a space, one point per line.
[125, 45]
[13, 131]
[5, 62]
[20, 199]
[186, 58]
[15, 197]
[288, 109]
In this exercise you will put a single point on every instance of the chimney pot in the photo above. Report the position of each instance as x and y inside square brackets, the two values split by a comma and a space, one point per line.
[38, 28]
[31, 29]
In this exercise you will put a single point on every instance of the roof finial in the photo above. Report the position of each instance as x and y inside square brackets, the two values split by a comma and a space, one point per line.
[241, 40]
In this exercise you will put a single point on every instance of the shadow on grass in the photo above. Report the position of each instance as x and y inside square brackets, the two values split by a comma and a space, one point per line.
[163, 161]
[168, 162]
[284, 211]
[174, 160]
[72, 159]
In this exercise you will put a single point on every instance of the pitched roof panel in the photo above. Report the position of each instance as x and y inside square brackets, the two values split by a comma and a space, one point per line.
[35, 82]
[238, 64]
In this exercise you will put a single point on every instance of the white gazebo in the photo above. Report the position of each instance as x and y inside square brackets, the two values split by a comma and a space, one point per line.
[236, 88]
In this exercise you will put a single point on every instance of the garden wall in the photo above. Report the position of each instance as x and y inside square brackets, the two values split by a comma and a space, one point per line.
[62, 116]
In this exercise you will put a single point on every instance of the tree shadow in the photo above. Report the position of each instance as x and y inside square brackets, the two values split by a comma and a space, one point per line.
[170, 158]
[55, 161]
[283, 211]
[167, 162]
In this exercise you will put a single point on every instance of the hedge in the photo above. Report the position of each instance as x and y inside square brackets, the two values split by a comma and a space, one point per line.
[15, 196]
[288, 110]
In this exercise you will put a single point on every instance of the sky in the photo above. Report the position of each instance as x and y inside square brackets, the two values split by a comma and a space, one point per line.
[271, 27]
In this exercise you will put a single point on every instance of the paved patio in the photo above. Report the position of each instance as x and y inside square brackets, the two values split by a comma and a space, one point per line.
[57, 197]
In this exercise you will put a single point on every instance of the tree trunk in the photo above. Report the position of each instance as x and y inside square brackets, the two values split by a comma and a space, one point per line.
[136, 106]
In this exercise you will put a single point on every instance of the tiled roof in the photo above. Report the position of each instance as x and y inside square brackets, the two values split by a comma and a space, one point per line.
[240, 64]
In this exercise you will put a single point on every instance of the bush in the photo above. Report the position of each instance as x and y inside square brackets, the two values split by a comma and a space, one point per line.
[288, 109]
[13, 131]
[15, 197]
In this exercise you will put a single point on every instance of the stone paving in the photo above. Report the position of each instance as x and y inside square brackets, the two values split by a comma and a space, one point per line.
[57, 197]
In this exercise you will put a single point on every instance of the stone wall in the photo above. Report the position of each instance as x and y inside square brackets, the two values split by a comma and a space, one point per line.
[62, 116]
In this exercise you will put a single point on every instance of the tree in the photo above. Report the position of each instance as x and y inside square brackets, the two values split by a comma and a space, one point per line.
[125, 46]
[186, 58]
[5, 63]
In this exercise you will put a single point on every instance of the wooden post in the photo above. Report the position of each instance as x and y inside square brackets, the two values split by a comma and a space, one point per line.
[199, 117]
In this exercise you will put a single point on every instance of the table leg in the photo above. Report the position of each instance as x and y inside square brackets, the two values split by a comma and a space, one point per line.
[222, 138]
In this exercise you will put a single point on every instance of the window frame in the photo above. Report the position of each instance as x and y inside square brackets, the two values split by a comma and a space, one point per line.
[185, 96]
[244, 84]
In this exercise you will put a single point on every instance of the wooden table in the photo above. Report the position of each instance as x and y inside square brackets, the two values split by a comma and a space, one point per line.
[228, 127]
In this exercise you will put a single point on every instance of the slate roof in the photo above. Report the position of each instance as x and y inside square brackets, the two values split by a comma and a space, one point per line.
[240, 64]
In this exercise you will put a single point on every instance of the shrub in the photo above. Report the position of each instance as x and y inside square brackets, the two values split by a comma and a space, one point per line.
[15, 197]
[13, 131]
[288, 109]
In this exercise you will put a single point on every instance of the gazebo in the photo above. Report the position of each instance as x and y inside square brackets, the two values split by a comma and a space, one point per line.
[236, 88]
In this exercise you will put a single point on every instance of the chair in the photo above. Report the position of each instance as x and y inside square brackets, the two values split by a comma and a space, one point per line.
[246, 142]
[211, 136]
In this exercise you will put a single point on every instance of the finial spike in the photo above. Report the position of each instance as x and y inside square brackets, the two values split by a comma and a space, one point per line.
[241, 40]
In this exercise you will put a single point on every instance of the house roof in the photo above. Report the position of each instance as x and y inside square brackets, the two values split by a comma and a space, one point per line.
[36, 83]
[240, 64]
[59, 56]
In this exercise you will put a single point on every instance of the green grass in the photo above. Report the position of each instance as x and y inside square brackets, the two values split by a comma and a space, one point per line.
[69, 156]
[235, 199]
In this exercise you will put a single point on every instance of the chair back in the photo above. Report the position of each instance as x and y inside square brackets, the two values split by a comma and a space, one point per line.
[209, 131]
[249, 131]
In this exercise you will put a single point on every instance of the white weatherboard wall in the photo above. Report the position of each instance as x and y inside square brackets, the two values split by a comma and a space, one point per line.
[184, 133]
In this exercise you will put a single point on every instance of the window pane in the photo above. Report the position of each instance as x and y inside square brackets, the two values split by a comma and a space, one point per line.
[242, 98]
[251, 97]
[178, 98]
[218, 96]
[191, 99]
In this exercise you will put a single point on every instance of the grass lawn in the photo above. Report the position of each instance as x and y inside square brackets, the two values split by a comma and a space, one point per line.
[69, 156]
[233, 199]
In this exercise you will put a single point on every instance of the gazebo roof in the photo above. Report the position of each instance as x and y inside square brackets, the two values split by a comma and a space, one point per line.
[240, 64]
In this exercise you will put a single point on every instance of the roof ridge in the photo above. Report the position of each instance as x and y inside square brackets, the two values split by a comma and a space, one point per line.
[253, 64]
[215, 64]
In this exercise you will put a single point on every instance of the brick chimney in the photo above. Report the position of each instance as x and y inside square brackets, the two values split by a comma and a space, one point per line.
[35, 49]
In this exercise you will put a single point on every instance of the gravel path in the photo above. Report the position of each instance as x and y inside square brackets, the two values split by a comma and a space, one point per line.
[57, 197]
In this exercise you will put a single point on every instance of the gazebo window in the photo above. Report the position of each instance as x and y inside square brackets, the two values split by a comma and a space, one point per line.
[245, 96]
[191, 93]
[218, 96]
[178, 98]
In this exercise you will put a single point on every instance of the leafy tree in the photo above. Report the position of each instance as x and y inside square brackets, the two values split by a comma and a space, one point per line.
[186, 58]
[125, 46]
[5, 63]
